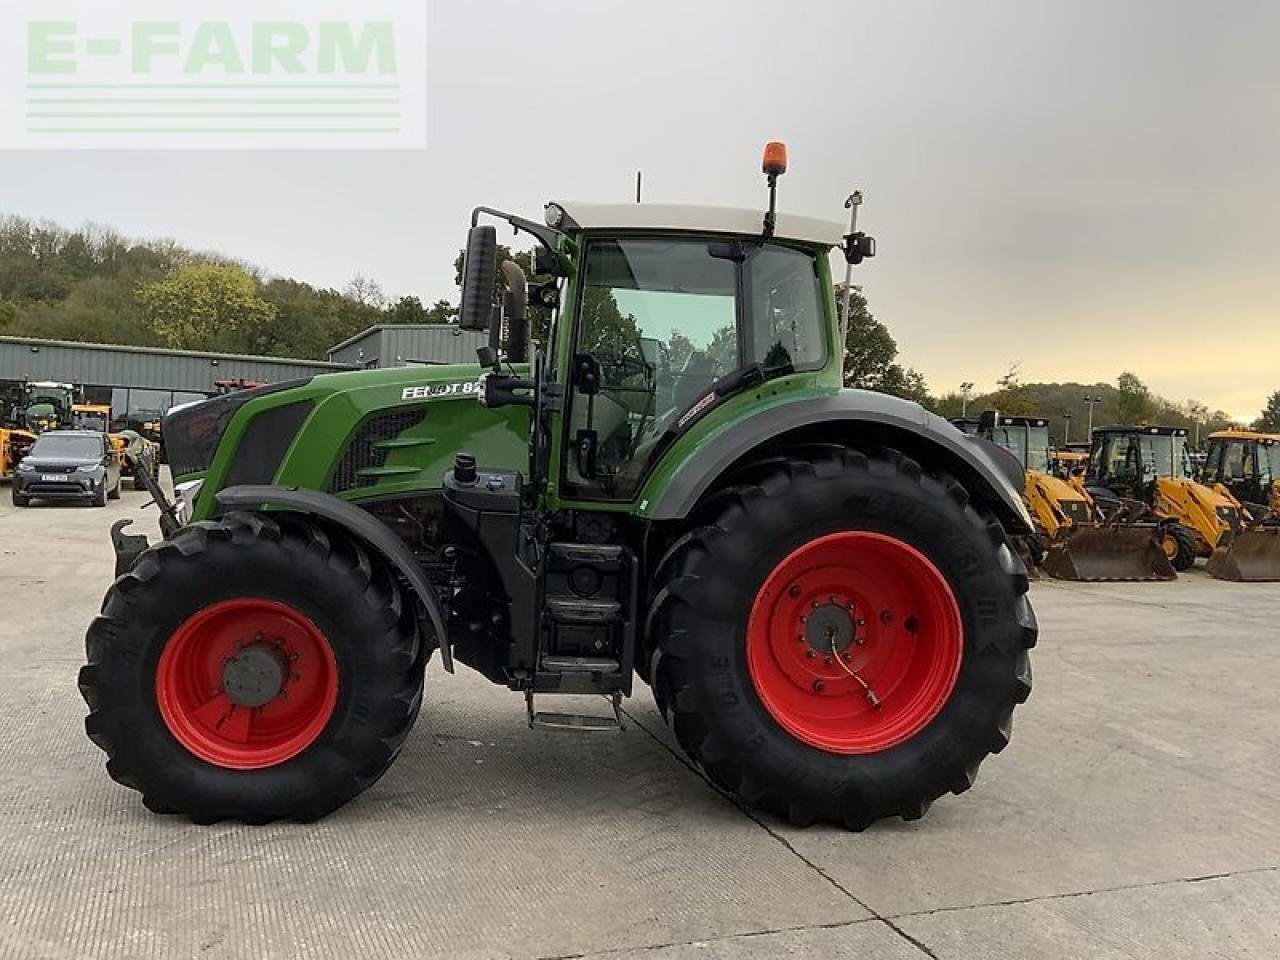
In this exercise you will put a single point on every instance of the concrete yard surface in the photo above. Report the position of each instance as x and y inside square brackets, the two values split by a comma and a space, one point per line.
[1136, 813]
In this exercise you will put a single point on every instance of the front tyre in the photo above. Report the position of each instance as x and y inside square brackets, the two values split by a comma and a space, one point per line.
[256, 667]
[844, 639]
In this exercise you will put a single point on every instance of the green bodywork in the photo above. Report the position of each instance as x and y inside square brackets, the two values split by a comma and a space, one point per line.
[417, 459]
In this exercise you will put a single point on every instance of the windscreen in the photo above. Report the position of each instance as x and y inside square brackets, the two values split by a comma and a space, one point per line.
[69, 447]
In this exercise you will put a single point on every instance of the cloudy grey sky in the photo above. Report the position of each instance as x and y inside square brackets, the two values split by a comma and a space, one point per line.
[1079, 187]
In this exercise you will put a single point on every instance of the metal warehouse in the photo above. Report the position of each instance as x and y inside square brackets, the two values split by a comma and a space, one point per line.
[141, 383]
[400, 344]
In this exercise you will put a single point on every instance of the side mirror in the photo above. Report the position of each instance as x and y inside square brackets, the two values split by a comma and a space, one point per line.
[479, 269]
[858, 247]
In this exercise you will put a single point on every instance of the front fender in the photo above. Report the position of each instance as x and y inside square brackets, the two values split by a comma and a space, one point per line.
[361, 525]
[991, 474]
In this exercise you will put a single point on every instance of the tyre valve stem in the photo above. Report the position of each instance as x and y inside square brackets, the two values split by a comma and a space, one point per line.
[866, 687]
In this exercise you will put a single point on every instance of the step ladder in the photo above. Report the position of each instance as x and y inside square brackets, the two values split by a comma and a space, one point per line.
[578, 723]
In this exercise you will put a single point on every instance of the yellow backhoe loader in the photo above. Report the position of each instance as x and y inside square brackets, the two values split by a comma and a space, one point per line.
[1148, 466]
[1076, 540]
[1244, 465]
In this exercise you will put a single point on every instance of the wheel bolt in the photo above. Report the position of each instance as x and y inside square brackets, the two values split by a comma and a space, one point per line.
[810, 654]
[827, 661]
[794, 591]
[818, 686]
[886, 616]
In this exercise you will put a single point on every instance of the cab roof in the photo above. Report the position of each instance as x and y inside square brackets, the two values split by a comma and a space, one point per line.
[1146, 428]
[1244, 435]
[694, 219]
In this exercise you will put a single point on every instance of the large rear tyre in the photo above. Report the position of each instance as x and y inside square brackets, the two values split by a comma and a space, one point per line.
[256, 667]
[844, 638]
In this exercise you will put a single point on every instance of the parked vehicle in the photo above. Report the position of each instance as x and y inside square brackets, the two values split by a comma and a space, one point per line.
[68, 465]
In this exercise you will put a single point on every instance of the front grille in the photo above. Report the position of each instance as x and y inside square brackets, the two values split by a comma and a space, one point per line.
[55, 469]
[192, 433]
[361, 452]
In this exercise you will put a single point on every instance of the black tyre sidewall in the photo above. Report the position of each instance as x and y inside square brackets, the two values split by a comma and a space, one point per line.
[916, 510]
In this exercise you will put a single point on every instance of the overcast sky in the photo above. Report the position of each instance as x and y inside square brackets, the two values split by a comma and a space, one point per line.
[1079, 187]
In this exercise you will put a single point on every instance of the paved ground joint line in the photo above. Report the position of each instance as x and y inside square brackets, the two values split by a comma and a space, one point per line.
[759, 822]
[1073, 894]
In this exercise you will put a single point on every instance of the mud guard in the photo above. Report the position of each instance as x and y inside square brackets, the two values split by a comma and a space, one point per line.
[361, 525]
[991, 474]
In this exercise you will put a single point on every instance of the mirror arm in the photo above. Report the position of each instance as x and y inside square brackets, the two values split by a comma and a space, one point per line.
[544, 234]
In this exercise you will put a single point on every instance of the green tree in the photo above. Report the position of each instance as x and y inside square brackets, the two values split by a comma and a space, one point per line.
[870, 357]
[1135, 403]
[205, 307]
[406, 310]
[1269, 421]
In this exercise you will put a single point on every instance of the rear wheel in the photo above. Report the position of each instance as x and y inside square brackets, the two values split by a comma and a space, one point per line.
[1179, 545]
[256, 667]
[99, 496]
[844, 638]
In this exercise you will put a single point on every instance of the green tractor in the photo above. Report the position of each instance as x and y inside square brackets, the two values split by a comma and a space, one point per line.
[814, 581]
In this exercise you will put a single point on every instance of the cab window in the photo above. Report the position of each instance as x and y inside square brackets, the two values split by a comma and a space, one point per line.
[661, 321]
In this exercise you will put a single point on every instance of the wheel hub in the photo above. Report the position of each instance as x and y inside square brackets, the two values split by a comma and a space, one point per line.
[830, 627]
[256, 675]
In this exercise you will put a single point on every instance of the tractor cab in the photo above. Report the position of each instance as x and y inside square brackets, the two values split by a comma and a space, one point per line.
[1027, 438]
[47, 405]
[1128, 461]
[1248, 464]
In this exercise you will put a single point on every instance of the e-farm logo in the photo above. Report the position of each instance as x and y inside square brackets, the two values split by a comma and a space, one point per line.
[267, 74]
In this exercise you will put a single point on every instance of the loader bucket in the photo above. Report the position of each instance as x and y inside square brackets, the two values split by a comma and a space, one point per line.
[1109, 553]
[1252, 556]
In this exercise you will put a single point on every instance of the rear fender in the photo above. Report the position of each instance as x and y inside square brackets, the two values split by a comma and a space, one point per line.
[361, 525]
[991, 474]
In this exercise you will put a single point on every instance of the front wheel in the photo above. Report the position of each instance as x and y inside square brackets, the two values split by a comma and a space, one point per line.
[843, 639]
[255, 667]
[1179, 544]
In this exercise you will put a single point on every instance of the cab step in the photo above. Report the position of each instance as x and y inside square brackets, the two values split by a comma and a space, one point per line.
[584, 612]
[554, 664]
[577, 723]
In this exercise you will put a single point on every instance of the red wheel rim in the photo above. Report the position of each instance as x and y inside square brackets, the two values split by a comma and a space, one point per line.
[215, 724]
[895, 627]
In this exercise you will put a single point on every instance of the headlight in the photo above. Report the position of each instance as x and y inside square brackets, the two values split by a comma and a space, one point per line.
[92, 468]
[25, 467]
[184, 498]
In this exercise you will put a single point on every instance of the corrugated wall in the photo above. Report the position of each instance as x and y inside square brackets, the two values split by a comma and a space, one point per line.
[390, 346]
[30, 359]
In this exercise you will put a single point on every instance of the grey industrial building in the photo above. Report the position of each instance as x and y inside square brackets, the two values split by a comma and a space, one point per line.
[395, 345]
[141, 383]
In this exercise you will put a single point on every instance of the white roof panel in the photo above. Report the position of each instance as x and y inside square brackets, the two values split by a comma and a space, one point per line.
[664, 216]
